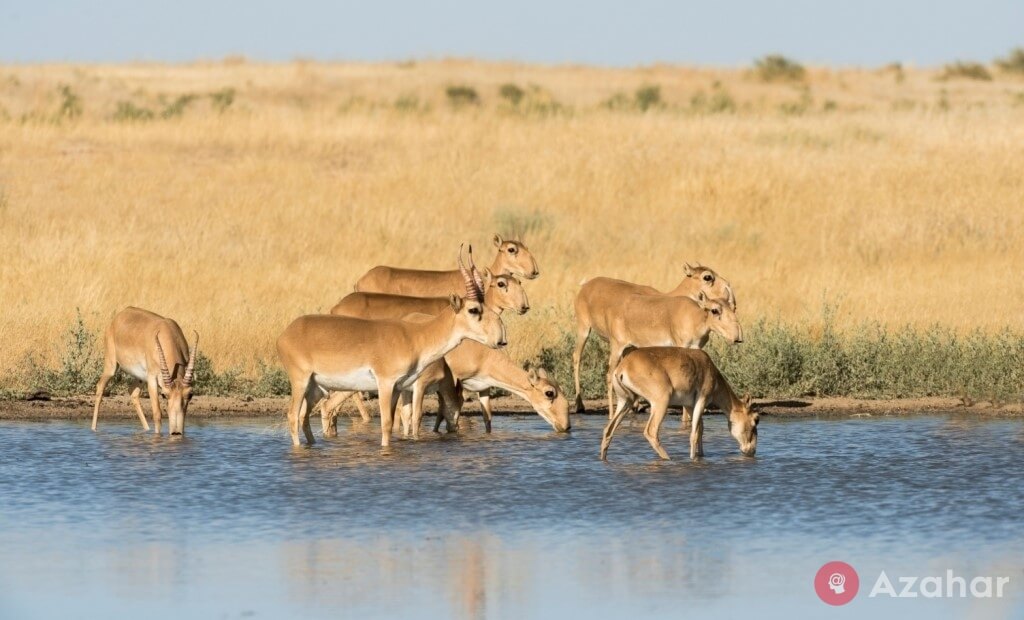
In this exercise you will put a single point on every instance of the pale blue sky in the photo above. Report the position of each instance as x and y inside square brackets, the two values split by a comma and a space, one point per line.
[723, 32]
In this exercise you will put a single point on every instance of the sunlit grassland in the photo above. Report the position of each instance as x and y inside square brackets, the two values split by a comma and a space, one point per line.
[235, 196]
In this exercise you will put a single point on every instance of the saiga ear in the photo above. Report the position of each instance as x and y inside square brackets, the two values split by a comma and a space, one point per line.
[456, 302]
[487, 277]
[543, 374]
[688, 270]
[746, 401]
[532, 376]
[701, 300]
[498, 240]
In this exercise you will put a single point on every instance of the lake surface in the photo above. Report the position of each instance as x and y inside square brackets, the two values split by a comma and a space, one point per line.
[232, 522]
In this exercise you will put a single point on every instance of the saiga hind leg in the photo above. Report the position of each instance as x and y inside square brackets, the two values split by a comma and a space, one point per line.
[582, 334]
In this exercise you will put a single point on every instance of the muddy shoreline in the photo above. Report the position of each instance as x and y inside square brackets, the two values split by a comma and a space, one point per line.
[119, 407]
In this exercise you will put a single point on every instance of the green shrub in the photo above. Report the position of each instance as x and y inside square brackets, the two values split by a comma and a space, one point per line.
[408, 103]
[618, 101]
[778, 68]
[70, 104]
[647, 97]
[1012, 62]
[966, 70]
[779, 360]
[644, 98]
[511, 93]
[129, 112]
[222, 99]
[79, 365]
[557, 358]
[176, 108]
[720, 101]
[271, 381]
[459, 96]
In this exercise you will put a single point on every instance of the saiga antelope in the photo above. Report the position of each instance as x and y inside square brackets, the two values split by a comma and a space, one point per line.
[328, 352]
[501, 293]
[152, 350]
[479, 370]
[674, 377]
[513, 258]
[600, 301]
[659, 321]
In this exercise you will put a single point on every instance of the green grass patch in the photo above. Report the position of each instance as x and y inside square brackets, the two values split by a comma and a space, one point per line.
[780, 360]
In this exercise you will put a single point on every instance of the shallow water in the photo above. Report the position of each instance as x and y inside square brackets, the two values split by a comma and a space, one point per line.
[233, 522]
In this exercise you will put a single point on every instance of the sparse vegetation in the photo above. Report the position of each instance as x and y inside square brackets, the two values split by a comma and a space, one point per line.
[79, 364]
[511, 93]
[785, 206]
[222, 99]
[779, 360]
[720, 101]
[177, 107]
[778, 68]
[129, 112]
[644, 98]
[896, 69]
[70, 104]
[800, 106]
[459, 96]
[965, 70]
[409, 103]
[1012, 62]
[647, 97]
[518, 223]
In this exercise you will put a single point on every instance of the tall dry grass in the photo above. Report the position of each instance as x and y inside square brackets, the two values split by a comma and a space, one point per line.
[888, 194]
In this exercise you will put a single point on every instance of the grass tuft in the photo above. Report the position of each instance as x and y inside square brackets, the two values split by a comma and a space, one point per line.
[1012, 62]
[778, 68]
[965, 70]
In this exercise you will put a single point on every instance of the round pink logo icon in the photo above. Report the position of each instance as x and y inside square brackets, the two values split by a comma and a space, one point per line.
[836, 583]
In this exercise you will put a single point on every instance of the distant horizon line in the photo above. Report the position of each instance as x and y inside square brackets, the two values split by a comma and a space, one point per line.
[240, 59]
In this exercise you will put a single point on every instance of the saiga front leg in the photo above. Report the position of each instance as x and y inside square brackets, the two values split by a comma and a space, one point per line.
[697, 429]
[388, 399]
[154, 401]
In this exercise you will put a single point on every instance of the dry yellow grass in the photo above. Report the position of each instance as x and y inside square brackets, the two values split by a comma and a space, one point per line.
[894, 200]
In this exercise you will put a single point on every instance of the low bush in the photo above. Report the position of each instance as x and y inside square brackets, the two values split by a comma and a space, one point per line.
[965, 70]
[1012, 62]
[460, 96]
[129, 112]
[778, 68]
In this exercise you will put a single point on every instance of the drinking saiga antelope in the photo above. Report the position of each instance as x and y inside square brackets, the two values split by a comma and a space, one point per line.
[659, 320]
[676, 377]
[501, 292]
[512, 258]
[480, 370]
[600, 301]
[328, 352]
[153, 351]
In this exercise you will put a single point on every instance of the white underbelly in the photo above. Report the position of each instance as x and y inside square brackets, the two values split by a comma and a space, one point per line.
[137, 370]
[361, 379]
[476, 384]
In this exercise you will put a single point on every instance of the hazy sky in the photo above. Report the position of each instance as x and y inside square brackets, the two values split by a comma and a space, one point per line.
[726, 32]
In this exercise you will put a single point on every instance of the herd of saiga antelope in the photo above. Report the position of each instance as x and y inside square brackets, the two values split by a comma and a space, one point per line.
[407, 332]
